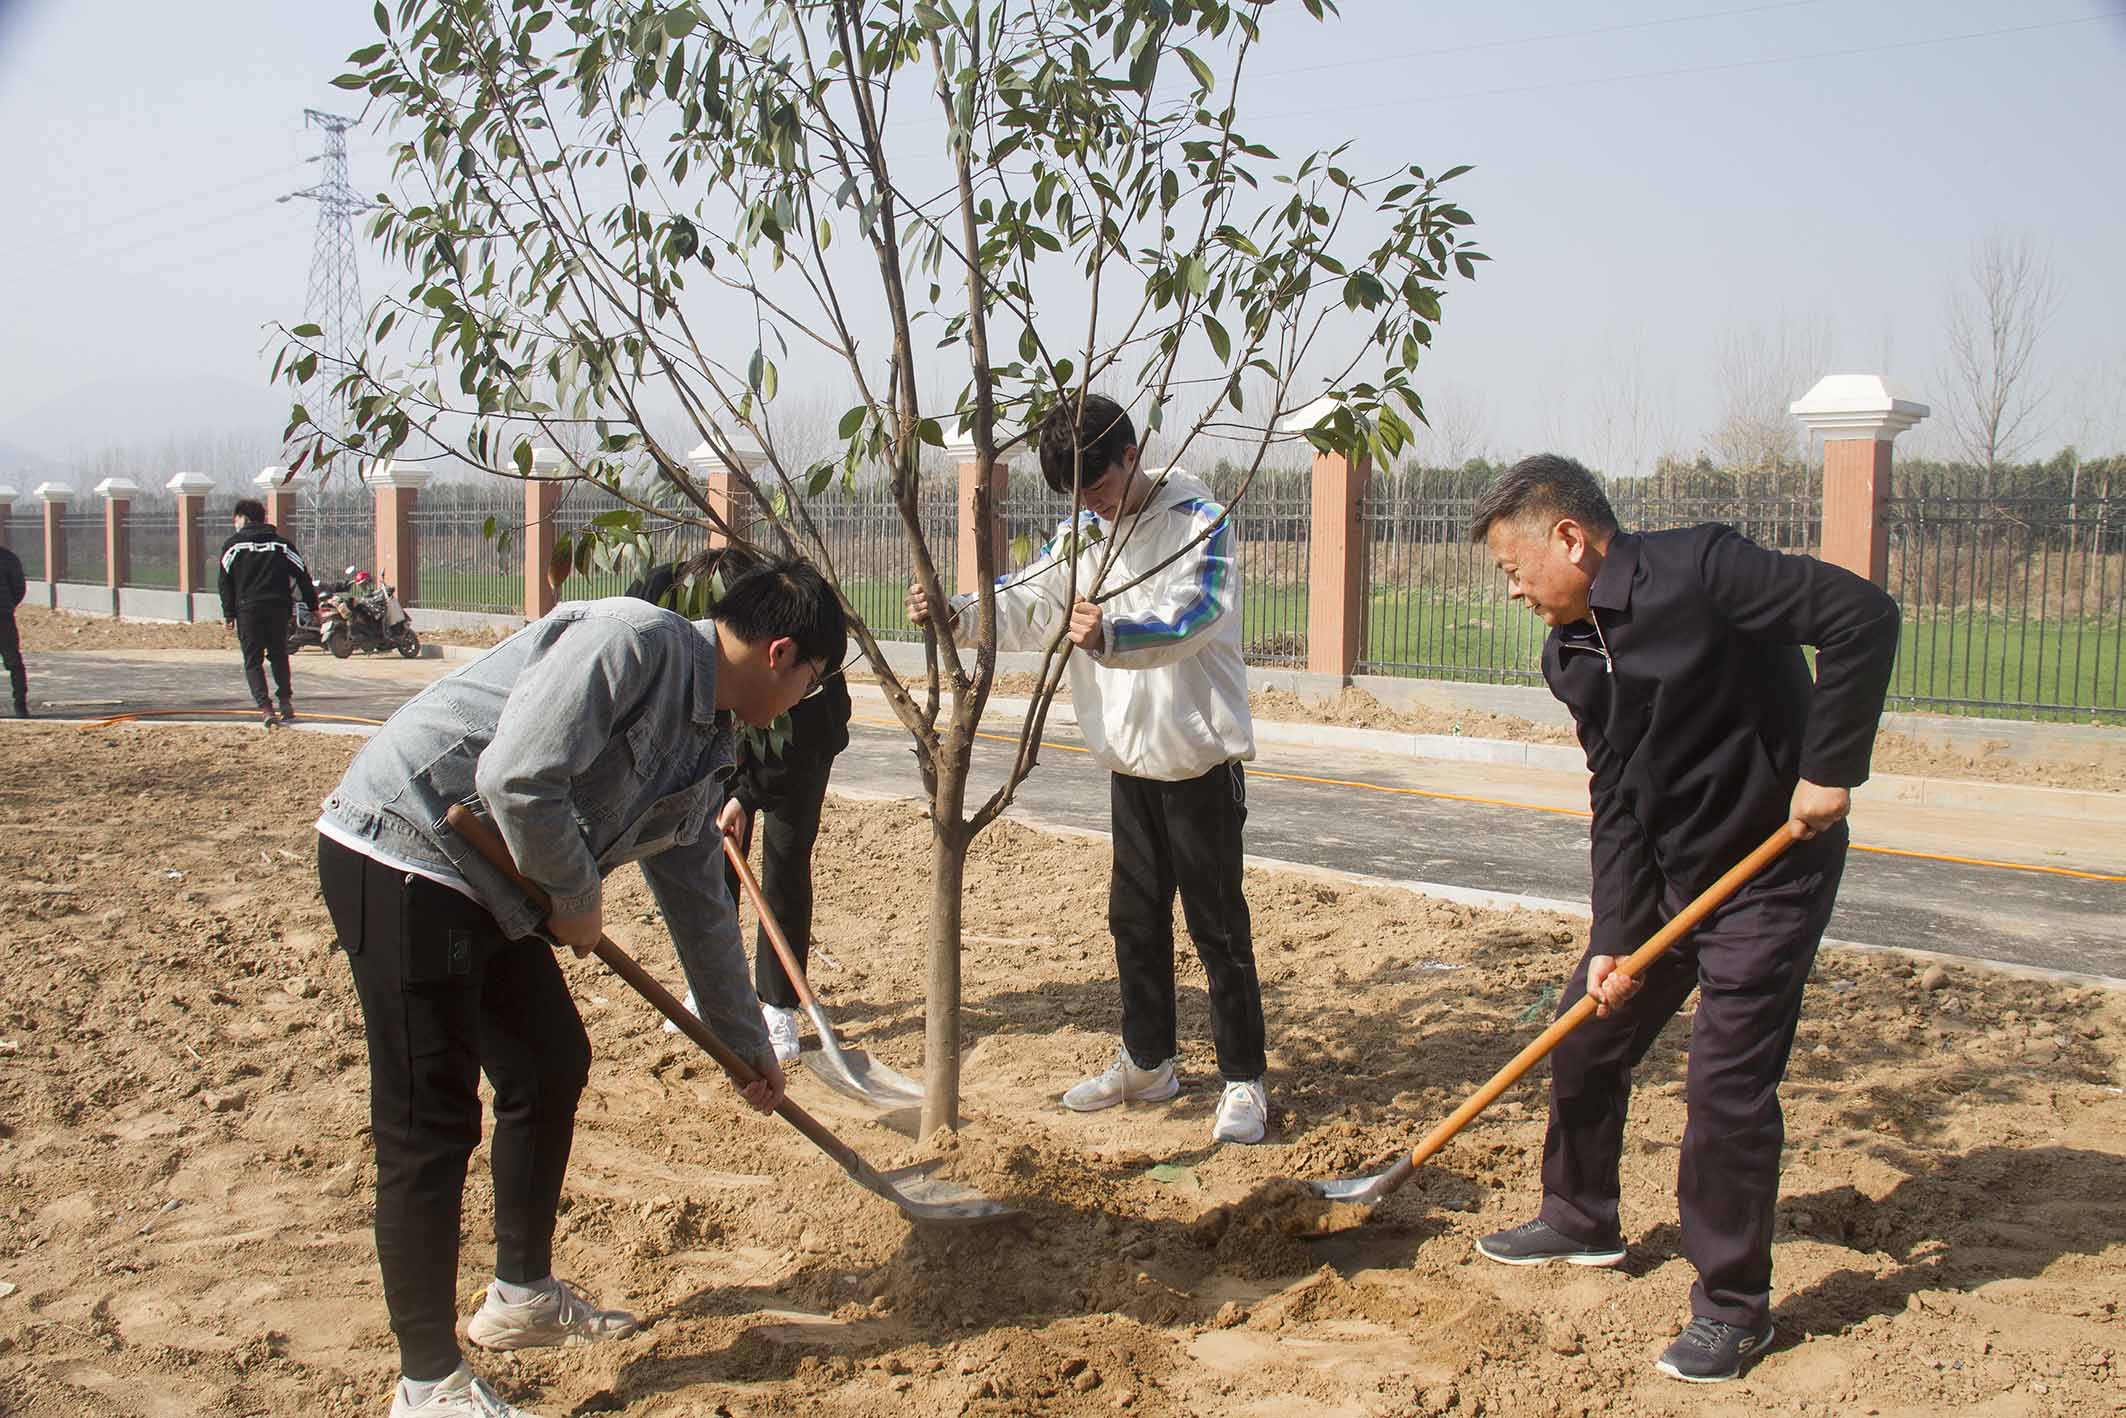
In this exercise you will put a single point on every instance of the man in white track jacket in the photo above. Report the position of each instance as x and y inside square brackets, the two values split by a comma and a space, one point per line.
[1161, 696]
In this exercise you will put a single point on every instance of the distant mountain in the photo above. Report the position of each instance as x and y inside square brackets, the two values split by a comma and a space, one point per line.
[139, 411]
[21, 469]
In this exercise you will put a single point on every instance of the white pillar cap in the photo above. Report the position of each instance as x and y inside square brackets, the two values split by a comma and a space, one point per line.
[744, 447]
[1856, 406]
[389, 472]
[190, 484]
[53, 492]
[8, 495]
[959, 444]
[548, 463]
[118, 489]
[276, 477]
[1310, 417]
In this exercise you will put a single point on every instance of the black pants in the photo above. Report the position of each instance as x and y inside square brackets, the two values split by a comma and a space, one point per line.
[788, 828]
[445, 995]
[262, 631]
[1749, 962]
[1184, 835]
[18, 678]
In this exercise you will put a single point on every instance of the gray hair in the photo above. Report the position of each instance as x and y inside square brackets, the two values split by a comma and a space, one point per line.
[1548, 484]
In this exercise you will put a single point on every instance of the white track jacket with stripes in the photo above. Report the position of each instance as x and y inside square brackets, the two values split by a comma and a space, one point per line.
[1167, 695]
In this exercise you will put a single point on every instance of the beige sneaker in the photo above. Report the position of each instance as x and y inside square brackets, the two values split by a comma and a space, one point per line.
[782, 1031]
[1123, 1082]
[1243, 1113]
[459, 1396]
[559, 1316]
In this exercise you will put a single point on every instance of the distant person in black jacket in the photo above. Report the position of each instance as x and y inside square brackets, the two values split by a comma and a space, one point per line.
[12, 588]
[1679, 654]
[787, 790]
[261, 577]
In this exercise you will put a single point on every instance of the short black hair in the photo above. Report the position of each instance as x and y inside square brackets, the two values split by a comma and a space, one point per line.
[786, 597]
[1546, 484]
[662, 585]
[1103, 431]
[250, 509]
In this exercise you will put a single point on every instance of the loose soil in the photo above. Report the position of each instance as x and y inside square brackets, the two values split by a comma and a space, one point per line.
[48, 630]
[185, 1176]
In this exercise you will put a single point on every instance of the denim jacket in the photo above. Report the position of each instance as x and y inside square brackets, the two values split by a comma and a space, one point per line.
[589, 739]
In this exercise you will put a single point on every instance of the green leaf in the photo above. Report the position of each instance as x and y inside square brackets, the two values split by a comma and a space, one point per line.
[1221, 343]
[929, 432]
[561, 562]
[522, 457]
[306, 332]
[351, 81]
[383, 17]
[852, 421]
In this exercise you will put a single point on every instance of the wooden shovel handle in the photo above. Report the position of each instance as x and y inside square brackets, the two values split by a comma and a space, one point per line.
[1708, 901]
[768, 923]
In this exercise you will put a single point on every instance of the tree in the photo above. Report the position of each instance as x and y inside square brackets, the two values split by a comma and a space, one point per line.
[1761, 372]
[606, 205]
[1994, 320]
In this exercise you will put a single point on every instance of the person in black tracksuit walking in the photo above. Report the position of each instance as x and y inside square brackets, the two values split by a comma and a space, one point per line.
[13, 587]
[784, 791]
[1679, 654]
[261, 577]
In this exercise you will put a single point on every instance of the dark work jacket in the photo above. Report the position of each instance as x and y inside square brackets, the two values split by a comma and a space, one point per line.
[819, 729]
[1696, 709]
[12, 584]
[260, 567]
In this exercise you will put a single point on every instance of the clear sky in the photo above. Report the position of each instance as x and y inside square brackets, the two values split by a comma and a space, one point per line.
[1653, 178]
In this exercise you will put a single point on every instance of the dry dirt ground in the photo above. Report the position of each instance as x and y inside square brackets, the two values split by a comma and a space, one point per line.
[184, 1170]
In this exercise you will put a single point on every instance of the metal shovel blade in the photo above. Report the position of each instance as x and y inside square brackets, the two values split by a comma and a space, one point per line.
[922, 1197]
[855, 1074]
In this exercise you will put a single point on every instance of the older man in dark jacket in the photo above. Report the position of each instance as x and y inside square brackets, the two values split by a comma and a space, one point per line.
[1679, 654]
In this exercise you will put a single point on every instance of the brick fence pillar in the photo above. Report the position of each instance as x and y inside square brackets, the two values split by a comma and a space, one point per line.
[56, 500]
[398, 553]
[117, 495]
[968, 500]
[190, 490]
[542, 494]
[1859, 417]
[281, 494]
[1336, 552]
[726, 490]
[7, 516]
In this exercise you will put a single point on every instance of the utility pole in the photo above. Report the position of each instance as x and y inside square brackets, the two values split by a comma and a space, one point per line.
[334, 303]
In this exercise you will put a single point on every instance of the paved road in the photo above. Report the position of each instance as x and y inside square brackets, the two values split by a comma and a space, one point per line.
[1380, 815]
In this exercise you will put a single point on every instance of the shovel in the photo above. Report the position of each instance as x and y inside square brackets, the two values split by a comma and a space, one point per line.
[848, 1071]
[919, 1197]
[1365, 1192]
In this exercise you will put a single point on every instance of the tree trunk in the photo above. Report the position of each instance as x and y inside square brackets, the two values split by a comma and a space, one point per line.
[948, 871]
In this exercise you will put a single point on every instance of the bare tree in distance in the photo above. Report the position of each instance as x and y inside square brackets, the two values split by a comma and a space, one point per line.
[1761, 370]
[1630, 422]
[1994, 318]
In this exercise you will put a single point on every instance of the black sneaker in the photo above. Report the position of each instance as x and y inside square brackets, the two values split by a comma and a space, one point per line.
[1711, 1352]
[287, 711]
[1537, 1242]
[267, 717]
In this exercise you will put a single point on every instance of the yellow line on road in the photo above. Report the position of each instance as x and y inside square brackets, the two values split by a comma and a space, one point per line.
[1364, 786]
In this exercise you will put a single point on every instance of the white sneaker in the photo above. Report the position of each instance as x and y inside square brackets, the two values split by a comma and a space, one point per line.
[1123, 1082]
[670, 1027]
[558, 1316]
[459, 1396]
[1243, 1113]
[782, 1031]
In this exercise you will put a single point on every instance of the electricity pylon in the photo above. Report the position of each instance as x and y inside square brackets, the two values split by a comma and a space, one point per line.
[334, 303]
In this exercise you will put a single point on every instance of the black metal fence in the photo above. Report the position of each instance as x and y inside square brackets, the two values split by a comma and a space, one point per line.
[334, 529]
[26, 536]
[151, 545]
[2013, 598]
[1438, 608]
[83, 532]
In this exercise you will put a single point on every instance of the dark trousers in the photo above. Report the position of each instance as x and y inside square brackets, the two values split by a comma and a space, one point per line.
[788, 828]
[262, 631]
[1749, 962]
[18, 678]
[1184, 835]
[445, 995]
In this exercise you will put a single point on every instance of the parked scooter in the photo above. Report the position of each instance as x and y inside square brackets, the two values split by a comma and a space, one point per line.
[365, 615]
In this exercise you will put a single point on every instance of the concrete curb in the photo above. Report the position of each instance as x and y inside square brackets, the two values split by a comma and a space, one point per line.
[1950, 794]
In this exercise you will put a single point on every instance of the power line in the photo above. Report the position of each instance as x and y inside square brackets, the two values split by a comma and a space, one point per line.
[1514, 43]
[1726, 67]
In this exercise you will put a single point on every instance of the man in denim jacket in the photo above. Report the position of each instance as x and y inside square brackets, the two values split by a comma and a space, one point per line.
[597, 736]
